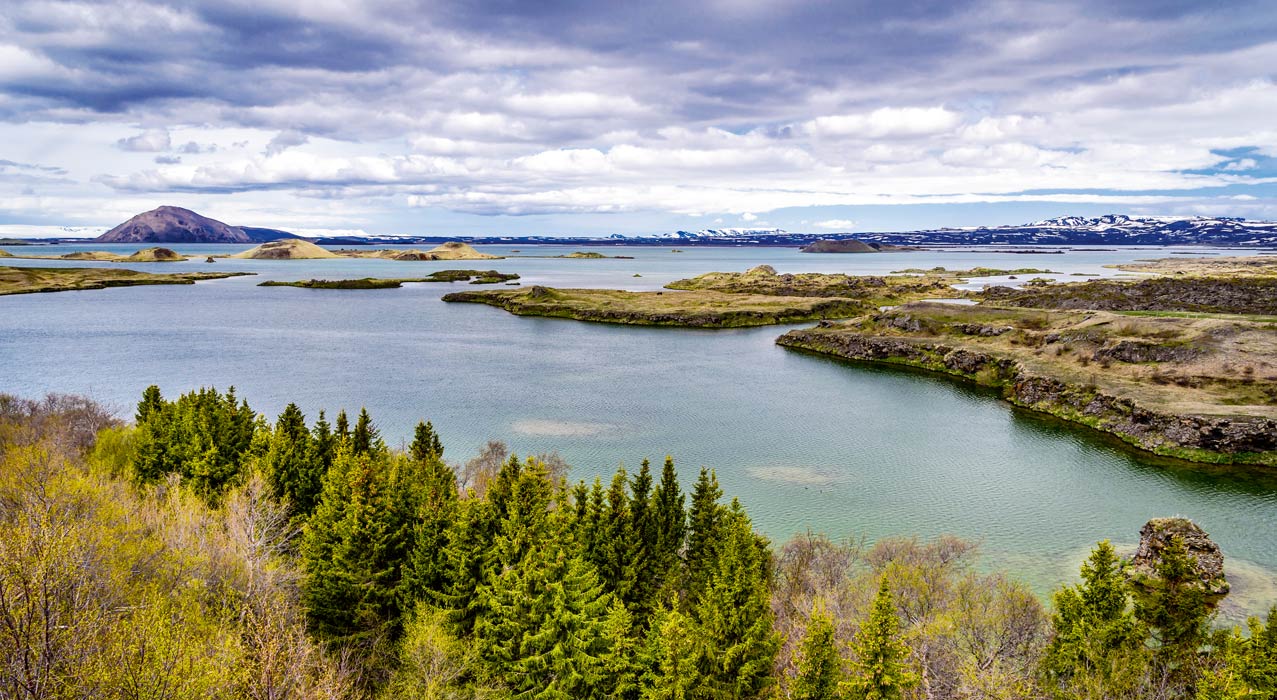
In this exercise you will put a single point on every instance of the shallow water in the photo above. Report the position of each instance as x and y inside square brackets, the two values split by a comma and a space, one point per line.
[805, 442]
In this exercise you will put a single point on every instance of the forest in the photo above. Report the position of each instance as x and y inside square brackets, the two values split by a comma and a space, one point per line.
[201, 550]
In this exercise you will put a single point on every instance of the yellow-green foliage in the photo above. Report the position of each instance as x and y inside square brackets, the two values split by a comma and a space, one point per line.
[113, 593]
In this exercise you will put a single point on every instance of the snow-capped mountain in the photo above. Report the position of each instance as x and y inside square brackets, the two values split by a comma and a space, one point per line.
[726, 233]
[1110, 229]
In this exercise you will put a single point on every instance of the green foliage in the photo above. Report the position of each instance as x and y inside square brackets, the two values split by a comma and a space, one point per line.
[203, 436]
[425, 443]
[671, 654]
[881, 670]
[1174, 606]
[820, 671]
[293, 462]
[737, 640]
[426, 577]
[353, 552]
[1098, 646]
[1248, 667]
[703, 533]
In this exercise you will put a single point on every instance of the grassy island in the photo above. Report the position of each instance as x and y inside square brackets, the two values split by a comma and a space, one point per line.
[974, 272]
[871, 290]
[33, 280]
[471, 276]
[1200, 388]
[704, 309]
[143, 255]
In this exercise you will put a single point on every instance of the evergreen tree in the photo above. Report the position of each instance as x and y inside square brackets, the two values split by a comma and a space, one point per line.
[615, 546]
[703, 534]
[621, 668]
[881, 671]
[365, 438]
[541, 612]
[670, 655]
[342, 428]
[820, 672]
[204, 437]
[291, 463]
[1097, 642]
[468, 562]
[425, 443]
[1248, 667]
[151, 403]
[325, 445]
[427, 575]
[642, 571]
[351, 553]
[1174, 606]
[734, 616]
[670, 521]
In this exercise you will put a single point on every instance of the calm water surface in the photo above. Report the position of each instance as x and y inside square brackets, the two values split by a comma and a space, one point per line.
[806, 443]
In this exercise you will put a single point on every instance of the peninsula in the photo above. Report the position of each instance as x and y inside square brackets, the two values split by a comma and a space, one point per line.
[705, 309]
[33, 280]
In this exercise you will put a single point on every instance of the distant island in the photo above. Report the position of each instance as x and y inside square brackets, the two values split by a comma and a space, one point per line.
[852, 245]
[170, 224]
[35, 280]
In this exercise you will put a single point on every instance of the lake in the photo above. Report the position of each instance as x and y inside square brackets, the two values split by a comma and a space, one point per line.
[806, 443]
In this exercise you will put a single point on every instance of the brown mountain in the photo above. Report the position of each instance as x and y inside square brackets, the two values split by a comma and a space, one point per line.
[851, 245]
[178, 225]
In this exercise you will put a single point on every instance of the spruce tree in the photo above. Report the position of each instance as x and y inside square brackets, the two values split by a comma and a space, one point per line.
[152, 401]
[820, 672]
[325, 444]
[671, 658]
[425, 443]
[670, 520]
[703, 534]
[365, 438]
[426, 578]
[881, 670]
[734, 616]
[1097, 642]
[342, 427]
[641, 570]
[292, 465]
[1174, 606]
[351, 553]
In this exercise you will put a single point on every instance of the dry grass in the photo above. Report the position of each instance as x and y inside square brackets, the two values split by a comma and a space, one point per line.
[32, 280]
[1199, 365]
[689, 309]
[1253, 266]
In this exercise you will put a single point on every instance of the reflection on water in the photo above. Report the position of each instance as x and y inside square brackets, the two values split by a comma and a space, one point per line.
[807, 443]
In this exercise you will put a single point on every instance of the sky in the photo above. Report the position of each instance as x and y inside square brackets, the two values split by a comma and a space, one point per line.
[595, 118]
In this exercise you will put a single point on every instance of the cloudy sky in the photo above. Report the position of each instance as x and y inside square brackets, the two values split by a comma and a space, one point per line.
[512, 117]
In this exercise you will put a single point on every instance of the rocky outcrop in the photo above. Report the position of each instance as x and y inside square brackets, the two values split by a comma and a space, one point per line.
[1199, 438]
[1208, 560]
[169, 224]
[288, 249]
[1254, 295]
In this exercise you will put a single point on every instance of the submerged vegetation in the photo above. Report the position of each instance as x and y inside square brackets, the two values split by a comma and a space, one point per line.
[203, 551]
[32, 280]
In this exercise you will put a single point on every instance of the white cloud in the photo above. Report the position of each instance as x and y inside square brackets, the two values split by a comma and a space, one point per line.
[1240, 165]
[886, 122]
[836, 224]
[149, 141]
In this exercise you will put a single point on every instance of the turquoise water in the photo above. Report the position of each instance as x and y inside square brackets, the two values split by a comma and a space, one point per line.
[806, 443]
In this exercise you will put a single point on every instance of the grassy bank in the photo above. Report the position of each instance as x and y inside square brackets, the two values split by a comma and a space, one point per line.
[34, 280]
[1202, 388]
